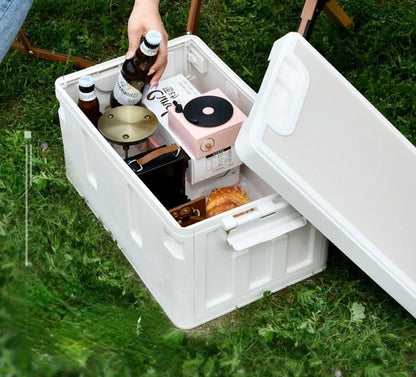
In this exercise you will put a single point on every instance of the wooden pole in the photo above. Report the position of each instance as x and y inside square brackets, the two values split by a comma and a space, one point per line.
[25, 47]
[332, 9]
[335, 13]
[193, 16]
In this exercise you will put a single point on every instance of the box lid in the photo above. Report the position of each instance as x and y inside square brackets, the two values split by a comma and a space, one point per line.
[321, 145]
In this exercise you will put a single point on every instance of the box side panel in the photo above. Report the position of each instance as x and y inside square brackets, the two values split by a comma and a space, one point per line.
[190, 56]
[159, 250]
[226, 278]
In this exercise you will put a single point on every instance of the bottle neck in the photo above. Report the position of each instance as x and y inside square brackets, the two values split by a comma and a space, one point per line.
[147, 50]
[87, 96]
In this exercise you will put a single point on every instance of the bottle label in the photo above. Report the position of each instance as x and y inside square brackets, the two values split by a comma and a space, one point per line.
[125, 93]
[87, 97]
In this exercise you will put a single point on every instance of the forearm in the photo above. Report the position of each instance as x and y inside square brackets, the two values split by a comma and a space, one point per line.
[153, 4]
[145, 7]
[145, 16]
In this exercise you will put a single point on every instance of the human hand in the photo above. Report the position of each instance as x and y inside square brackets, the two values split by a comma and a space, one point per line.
[144, 17]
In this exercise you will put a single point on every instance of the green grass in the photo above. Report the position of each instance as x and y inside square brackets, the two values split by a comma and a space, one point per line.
[79, 309]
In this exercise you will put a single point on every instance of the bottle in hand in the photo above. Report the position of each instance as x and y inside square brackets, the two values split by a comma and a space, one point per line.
[134, 74]
[87, 100]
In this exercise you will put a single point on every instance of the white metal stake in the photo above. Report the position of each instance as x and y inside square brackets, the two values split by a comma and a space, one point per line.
[28, 182]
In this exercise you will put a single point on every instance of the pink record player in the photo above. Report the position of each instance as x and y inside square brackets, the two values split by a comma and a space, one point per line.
[207, 123]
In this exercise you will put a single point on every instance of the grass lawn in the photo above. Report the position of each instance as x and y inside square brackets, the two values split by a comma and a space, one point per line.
[78, 308]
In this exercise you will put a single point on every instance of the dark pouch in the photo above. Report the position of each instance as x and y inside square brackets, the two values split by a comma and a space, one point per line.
[190, 212]
[162, 170]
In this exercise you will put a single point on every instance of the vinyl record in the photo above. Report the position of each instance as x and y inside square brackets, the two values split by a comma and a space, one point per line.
[208, 111]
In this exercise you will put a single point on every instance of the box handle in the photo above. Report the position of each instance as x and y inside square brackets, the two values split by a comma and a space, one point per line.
[287, 81]
[157, 153]
[273, 222]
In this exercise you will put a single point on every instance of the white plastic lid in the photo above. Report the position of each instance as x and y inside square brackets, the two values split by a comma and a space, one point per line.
[321, 145]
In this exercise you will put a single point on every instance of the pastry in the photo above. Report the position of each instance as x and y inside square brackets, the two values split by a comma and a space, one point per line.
[225, 198]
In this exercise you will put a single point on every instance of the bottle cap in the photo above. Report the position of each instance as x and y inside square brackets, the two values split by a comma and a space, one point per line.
[86, 82]
[153, 38]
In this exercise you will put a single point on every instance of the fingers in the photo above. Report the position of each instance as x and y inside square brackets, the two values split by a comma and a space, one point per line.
[159, 66]
[144, 17]
[135, 34]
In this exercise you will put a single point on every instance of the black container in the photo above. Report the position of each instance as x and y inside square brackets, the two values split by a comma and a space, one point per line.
[162, 170]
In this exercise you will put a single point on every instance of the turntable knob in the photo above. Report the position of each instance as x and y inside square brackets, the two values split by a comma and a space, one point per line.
[207, 145]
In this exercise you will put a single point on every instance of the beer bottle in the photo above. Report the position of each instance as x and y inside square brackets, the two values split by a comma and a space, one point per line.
[87, 100]
[133, 76]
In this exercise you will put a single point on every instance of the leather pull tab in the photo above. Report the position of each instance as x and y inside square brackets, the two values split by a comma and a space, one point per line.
[157, 153]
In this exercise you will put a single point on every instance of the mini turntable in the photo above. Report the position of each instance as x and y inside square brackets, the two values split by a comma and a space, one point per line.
[207, 123]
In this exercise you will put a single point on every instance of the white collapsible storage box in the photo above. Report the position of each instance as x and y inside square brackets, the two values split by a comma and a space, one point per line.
[202, 271]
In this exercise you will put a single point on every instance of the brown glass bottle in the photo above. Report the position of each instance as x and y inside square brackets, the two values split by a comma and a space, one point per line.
[87, 100]
[133, 75]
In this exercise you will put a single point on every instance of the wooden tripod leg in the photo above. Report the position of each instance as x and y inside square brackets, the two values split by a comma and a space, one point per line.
[311, 9]
[193, 17]
[337, 15]
[307, 17]
[26, 48]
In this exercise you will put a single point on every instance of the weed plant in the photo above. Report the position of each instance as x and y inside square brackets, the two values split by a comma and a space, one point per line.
[78, 309]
